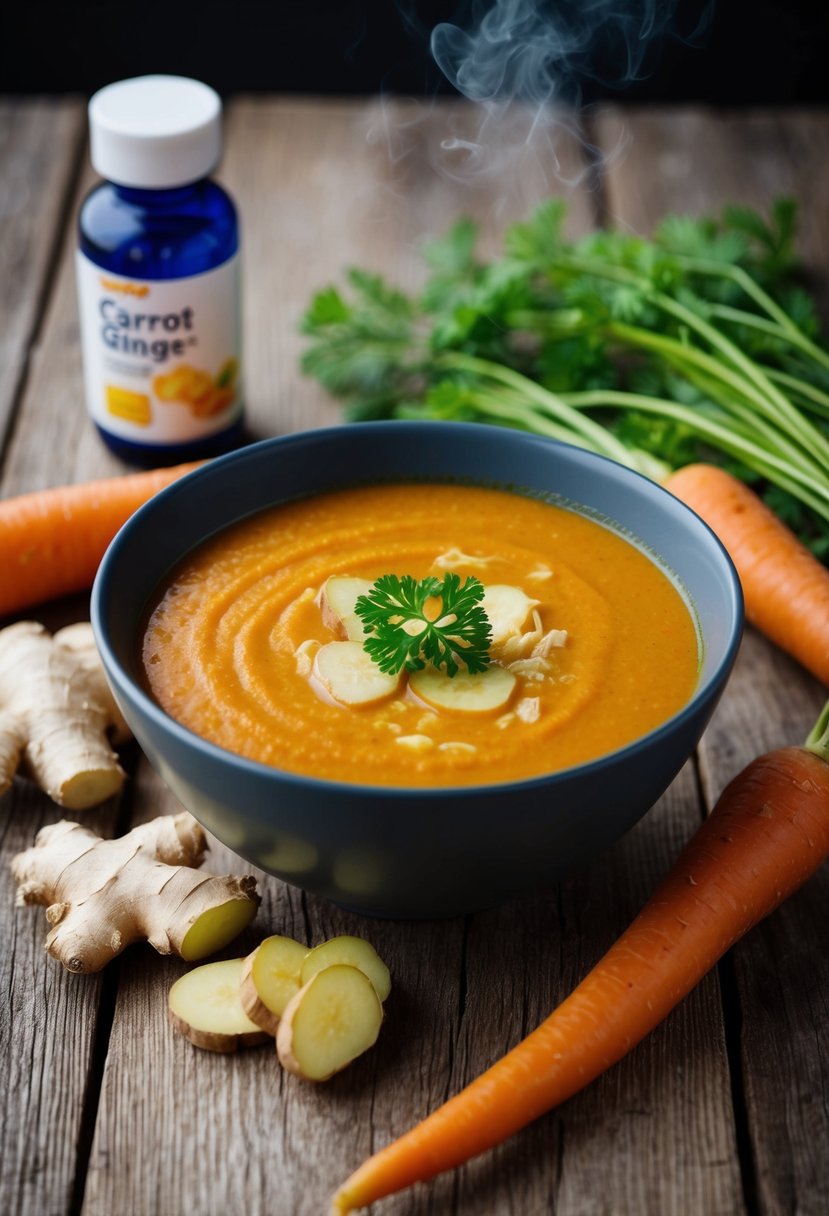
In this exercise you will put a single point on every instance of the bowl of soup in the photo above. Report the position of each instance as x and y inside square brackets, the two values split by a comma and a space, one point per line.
[234, 614]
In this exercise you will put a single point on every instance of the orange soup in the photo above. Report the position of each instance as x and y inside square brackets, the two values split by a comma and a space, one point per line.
[254, 643]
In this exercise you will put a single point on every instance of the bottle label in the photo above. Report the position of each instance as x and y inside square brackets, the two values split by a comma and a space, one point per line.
[161, 357]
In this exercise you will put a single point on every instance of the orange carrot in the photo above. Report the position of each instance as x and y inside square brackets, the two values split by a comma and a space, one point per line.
[768, 832]
[52, 541]
[786, 588]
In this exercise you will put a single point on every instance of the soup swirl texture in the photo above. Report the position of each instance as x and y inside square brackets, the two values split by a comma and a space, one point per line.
[607, 649]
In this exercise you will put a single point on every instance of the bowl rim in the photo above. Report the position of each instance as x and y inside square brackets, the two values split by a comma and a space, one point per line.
[118, 674]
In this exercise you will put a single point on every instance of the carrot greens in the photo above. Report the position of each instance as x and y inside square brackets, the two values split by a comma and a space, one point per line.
[440, 621]
[698, 344]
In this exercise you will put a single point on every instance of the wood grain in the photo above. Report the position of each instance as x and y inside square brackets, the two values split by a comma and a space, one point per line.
[696, 161]
[48, 1023]
[667, 1104]
[54, 441]
[40, 144]
[48, 1018]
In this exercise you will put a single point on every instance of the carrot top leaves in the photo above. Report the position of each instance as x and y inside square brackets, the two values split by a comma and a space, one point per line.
[818, 740]
[410, 623]
[698, 344]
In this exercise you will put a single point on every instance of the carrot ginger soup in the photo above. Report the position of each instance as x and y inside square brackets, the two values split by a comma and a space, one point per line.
[256, 644]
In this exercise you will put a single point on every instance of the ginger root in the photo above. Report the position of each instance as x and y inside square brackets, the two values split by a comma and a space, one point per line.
[55, 712]
[101, 895]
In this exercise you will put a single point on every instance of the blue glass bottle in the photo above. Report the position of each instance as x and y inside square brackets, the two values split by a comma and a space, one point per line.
[158, 278]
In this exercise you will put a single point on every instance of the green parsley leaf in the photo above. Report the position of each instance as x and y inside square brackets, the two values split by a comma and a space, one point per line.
[401, 635]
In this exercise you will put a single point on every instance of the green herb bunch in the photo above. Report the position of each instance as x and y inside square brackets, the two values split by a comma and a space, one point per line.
[404, 634]
[698, 344]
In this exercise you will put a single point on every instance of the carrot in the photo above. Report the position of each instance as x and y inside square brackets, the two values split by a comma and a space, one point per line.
[767, 834]
[786, 588]
[52, 541]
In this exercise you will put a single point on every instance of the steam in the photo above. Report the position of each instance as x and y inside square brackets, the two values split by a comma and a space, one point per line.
[540, 51]
[525, 62]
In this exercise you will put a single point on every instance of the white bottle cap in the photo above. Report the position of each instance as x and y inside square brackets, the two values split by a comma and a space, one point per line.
[155, 132]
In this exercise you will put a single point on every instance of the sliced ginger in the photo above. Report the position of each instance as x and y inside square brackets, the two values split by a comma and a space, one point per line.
[507, 609]
[55, 713]
[484, 692]
[350, 676]
[333, 1018]
[353, 951]
[324, 1006]
[346, 673]
[270, 977]
[206, 1007]
[337, 599]
[101, 895]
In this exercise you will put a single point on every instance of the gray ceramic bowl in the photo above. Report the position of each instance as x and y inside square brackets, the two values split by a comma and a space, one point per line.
[410, 852]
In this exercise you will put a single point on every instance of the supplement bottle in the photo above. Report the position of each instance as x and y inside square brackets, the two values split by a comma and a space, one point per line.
[158, 275]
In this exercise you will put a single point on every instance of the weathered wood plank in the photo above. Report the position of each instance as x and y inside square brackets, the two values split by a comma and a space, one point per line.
[40, 142]
[655, 1134]
[49, 1018]
[54, 442]
[781, 968]
[696, 161]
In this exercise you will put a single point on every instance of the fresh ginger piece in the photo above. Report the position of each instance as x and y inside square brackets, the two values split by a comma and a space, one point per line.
[270, 977]
[204, 1005]
[216, 927]
[337, 599]
[101, 895]
[350, 676]
[55, 712]
[507, 609]
[483, 692]
[333, 1018]
[353, 951]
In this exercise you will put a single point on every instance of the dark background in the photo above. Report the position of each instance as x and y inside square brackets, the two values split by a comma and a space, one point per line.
[752, 51]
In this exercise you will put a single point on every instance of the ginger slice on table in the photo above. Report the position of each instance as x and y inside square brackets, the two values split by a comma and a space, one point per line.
[270, 977]
[56, 711]
[334, 1018]
[353, 951]
[101, 895]
[205, 1006]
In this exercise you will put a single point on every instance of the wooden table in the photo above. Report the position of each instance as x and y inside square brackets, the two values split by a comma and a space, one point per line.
[105, 1110]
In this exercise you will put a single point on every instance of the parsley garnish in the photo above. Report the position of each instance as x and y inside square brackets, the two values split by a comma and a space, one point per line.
[402, 635]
